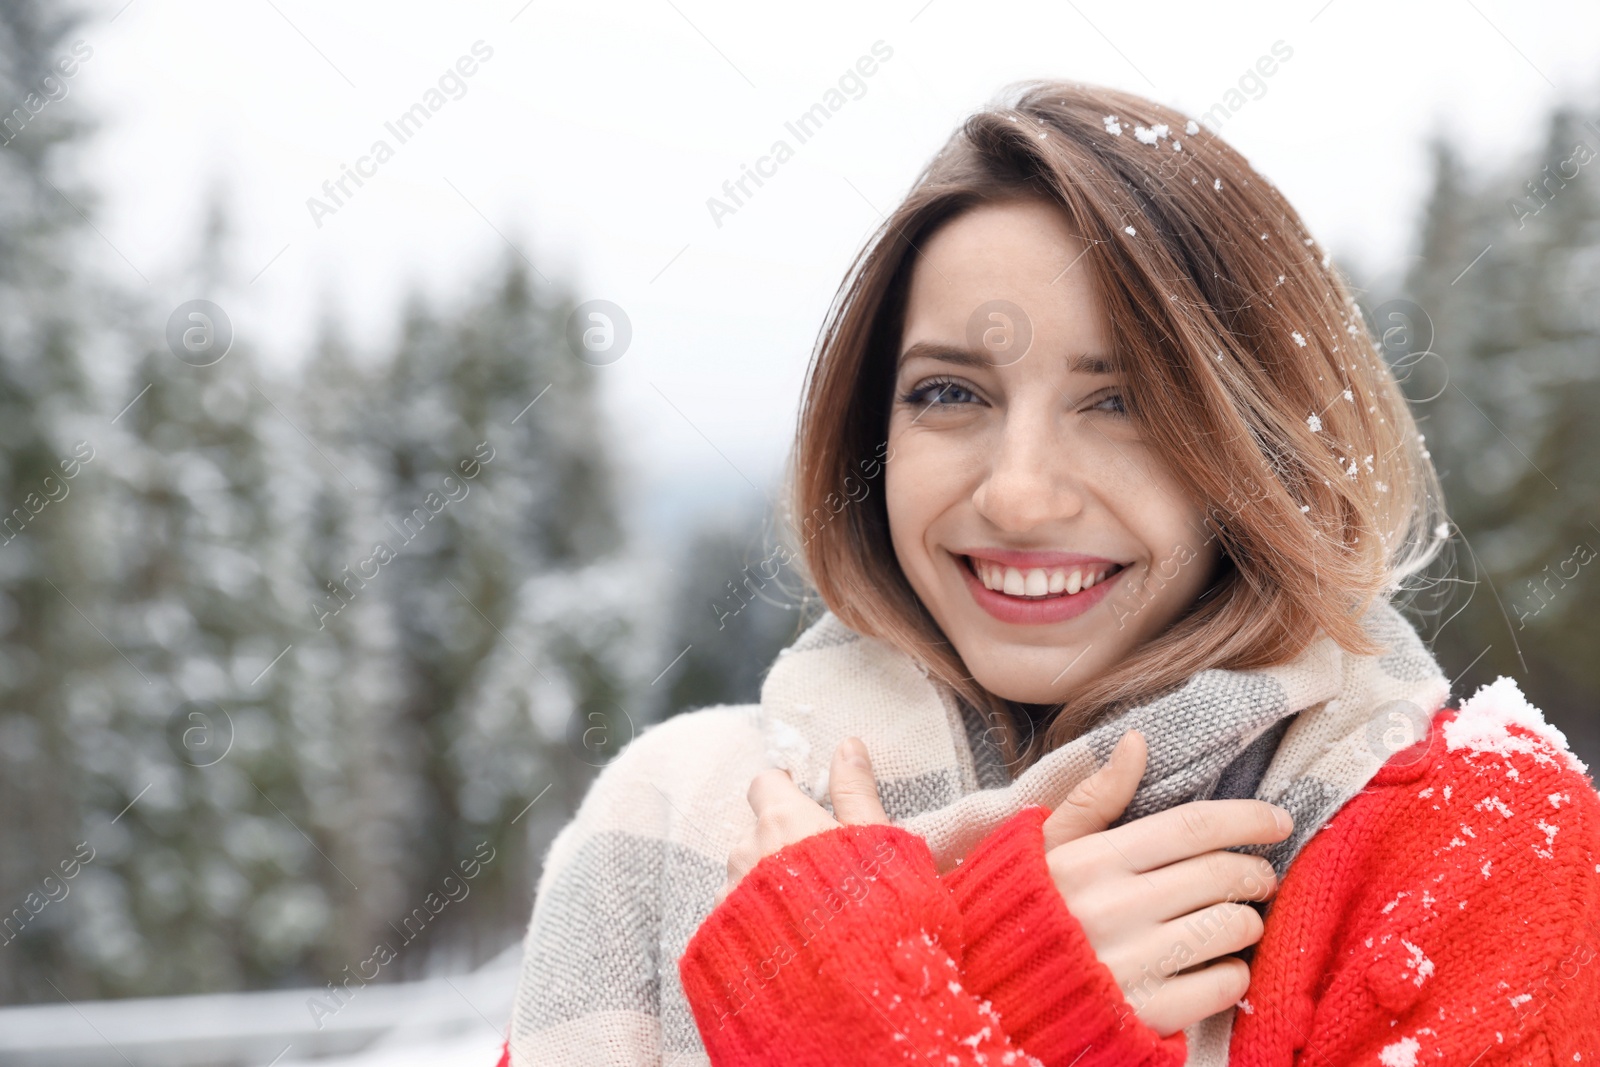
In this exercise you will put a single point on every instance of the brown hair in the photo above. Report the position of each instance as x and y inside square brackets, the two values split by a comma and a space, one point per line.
[1243, 354]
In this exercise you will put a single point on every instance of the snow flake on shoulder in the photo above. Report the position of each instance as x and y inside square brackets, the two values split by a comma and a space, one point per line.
[1402, 1053]
[1418, 962]
[1493, 803]
[1483, 721]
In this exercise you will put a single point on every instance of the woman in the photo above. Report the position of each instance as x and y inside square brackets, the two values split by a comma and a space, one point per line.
[1106, 491]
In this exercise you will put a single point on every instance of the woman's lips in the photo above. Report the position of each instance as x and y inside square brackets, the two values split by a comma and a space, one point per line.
[1039, 610]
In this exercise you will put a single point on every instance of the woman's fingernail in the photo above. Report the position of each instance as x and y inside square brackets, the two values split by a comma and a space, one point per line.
[1285, 820]
[854, 751]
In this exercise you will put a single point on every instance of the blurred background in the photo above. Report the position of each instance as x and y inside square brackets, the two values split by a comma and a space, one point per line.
[391, 397]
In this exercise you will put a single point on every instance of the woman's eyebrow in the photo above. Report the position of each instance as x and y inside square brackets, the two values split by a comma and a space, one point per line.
[1083, 363]
[1088, 363]
[944, 353]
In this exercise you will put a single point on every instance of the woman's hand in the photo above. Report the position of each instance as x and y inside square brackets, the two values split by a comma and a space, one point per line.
[784, 815]
[1158, 897]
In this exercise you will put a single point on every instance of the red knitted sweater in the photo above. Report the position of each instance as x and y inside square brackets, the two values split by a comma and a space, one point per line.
[1447, 914]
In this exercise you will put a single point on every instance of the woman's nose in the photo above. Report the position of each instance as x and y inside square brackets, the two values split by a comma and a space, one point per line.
[1030, 481]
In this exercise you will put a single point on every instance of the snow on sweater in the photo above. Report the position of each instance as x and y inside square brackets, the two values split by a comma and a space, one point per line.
[633, 876]
[1449, 914]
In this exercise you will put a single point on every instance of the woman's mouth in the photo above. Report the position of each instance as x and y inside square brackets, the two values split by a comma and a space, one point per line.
[1037, 595]
[1037, 583]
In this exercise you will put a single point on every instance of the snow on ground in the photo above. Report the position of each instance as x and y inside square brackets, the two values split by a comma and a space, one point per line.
[477, 1046]
[441, 1022]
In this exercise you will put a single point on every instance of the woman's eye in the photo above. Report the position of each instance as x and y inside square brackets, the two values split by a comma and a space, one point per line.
[1120, 405]
[941, 393]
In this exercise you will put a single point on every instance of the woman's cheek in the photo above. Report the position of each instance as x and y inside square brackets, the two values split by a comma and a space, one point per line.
[1181, 576]
[900, 505]
[913, 497]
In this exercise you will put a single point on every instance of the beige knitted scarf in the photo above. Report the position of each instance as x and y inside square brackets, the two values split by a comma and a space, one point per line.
[633, 875]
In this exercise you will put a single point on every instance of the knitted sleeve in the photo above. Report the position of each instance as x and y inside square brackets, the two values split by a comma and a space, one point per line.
[847, 945]
[1025, 953]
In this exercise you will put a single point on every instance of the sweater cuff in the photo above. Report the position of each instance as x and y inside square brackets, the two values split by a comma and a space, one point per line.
[804, 919]
[1029, 956]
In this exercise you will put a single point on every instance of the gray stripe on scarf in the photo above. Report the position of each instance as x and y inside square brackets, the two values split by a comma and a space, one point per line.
[1193, 735]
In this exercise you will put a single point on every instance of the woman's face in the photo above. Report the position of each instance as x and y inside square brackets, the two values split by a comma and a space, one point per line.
[1045, 537]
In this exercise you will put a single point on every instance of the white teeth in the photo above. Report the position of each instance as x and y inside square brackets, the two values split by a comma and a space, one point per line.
[1035, 581]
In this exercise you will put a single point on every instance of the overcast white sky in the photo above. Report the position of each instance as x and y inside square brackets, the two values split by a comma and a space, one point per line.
[594, 135]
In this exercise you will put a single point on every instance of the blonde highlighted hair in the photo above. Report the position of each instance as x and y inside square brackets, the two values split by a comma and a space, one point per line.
[1249, 368]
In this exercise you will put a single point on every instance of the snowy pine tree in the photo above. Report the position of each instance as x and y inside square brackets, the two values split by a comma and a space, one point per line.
[223, 874]
[508, 607]
[57, 670]
[1508, 275]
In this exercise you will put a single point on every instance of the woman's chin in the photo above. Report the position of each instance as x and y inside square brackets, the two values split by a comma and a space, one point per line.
[1027, 680]
[1024, 687]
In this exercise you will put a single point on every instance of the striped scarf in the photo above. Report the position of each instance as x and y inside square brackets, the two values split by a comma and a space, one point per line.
[630, 878]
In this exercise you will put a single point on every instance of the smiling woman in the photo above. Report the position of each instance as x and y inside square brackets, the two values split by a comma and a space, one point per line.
[1022, 493]
[1110, 747]
[1166, 368]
